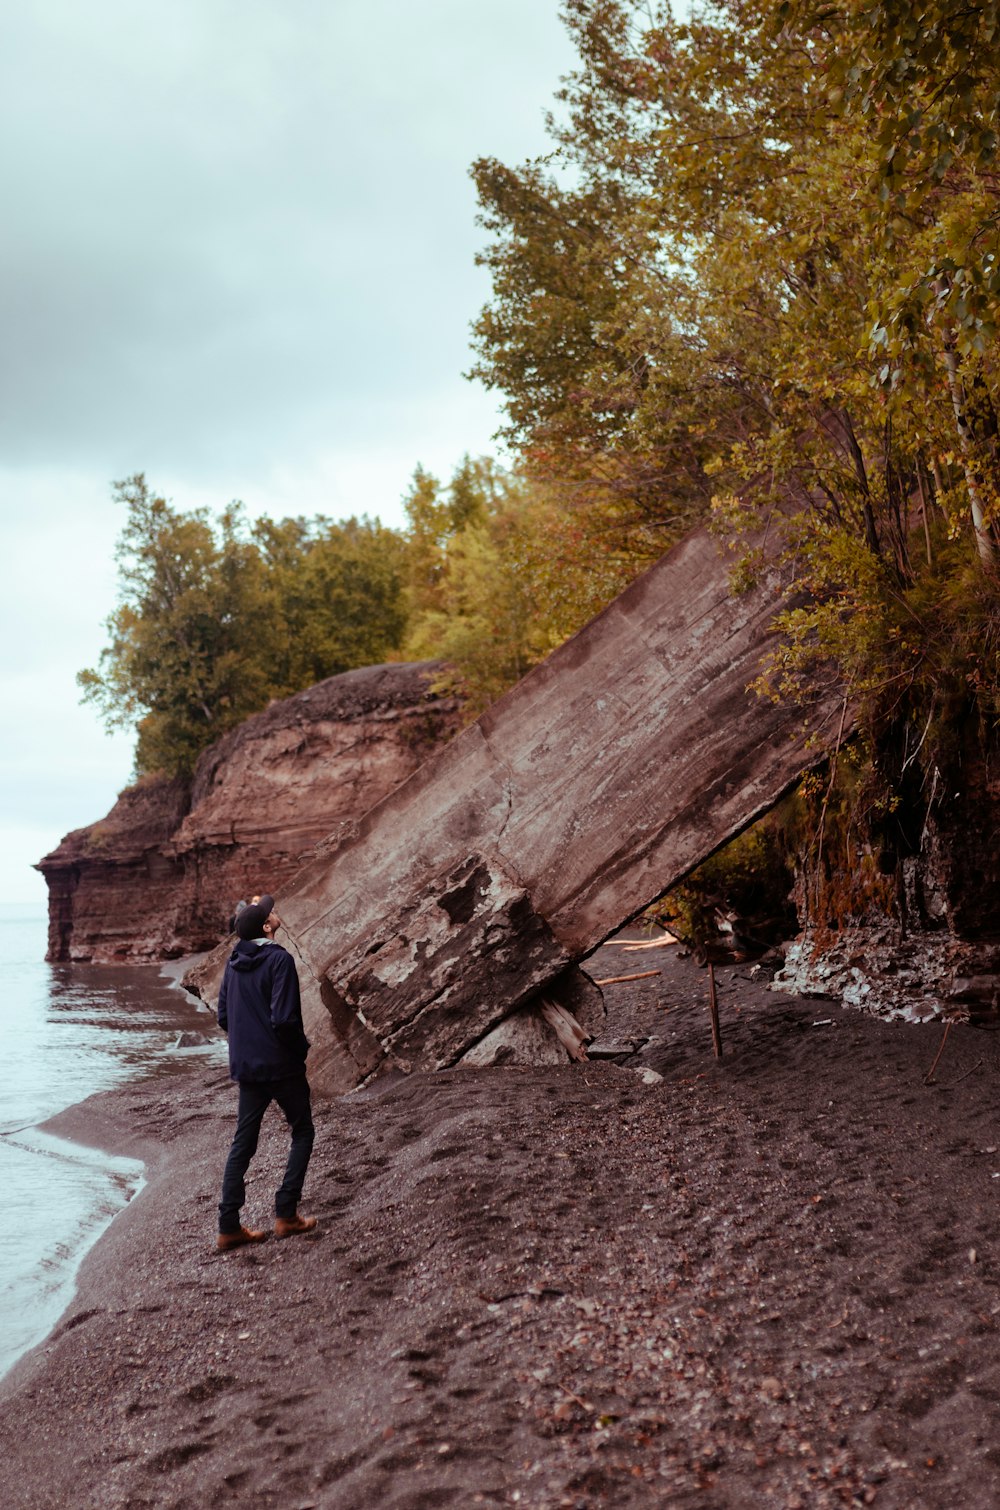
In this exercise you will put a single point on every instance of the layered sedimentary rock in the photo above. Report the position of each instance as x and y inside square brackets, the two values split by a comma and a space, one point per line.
[114, 887]
[158, 877]
[465, 899]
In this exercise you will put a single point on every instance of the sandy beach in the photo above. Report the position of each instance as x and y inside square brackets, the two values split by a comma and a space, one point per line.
[768, 1281]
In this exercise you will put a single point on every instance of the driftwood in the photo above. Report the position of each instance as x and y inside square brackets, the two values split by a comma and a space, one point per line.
[471, 892]
[929, 1077]
[631, 947]
[612, 980]
[566, 1028]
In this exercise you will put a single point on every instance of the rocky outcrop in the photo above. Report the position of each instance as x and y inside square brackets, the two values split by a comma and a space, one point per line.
[928, 945]
[158, 877]
[908, 977]
[114, 888]
[467, 897]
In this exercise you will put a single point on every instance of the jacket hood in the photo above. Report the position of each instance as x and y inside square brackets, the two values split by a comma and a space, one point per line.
[248, 955]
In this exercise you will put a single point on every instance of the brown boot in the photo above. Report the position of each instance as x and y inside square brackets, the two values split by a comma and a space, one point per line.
[288, 1226]
[227, 1240]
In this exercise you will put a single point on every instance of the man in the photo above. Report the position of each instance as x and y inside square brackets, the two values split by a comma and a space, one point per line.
[260, 1011]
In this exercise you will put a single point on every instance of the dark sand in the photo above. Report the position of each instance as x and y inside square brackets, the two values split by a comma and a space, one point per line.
[768, 1282]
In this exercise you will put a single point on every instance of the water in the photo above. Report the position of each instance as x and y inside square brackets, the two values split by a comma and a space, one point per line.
[67, 1032]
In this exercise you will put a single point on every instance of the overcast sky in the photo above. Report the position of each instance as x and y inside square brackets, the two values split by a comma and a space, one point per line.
[238, 255]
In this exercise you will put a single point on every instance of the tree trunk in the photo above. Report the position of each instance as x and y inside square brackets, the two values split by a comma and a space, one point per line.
[984, 540]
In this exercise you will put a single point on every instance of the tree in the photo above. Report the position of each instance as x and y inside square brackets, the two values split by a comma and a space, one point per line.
[215, 619]
[720, 296]
[922, 79]
[181, 664]
[341, 591]
[721, 344]
[503, 572]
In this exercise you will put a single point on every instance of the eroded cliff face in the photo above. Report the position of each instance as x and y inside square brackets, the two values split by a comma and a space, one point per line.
[157, 878]
[935, 950]
[114, 888]
[449, 925]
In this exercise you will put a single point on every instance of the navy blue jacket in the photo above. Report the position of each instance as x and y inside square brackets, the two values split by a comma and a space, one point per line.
[259, 1009]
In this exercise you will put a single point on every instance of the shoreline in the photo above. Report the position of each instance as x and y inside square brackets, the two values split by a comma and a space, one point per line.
[100, 1125]
[770, 1279]
[75, 1135]
[37, 1297]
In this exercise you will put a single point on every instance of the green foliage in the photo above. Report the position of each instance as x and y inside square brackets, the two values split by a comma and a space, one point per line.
[501, 573]
[705, 303]
[341, 591]
[750, 879]
[922, 73]
[828, 851]
[757, 279]
[481, 621]
[216, 618]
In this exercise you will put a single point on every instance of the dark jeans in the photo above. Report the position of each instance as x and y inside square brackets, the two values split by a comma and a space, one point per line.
[292, 1095]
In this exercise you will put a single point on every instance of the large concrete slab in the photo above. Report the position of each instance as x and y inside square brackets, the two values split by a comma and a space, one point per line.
[599, 781]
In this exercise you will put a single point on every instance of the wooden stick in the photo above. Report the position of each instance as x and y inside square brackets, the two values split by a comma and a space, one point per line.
[967, 1073]
[577, 1399]
[929, 1077]
[613, 980]
[661, 943]
[713, 1007]
[664, 936]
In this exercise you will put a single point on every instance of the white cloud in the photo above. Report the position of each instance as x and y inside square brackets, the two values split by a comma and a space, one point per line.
[220, 215]
[238, 255]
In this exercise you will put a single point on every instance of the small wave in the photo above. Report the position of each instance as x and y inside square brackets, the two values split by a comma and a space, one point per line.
[85, 1190]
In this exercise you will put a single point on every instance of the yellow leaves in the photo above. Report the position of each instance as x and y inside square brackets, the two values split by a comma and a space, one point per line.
[521, 575]
[742, 318]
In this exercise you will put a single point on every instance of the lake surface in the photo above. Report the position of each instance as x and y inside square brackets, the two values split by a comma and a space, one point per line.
[67, 1032]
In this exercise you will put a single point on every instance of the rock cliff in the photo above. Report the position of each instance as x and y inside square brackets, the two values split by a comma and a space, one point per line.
[158, 876]
[451, 920]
